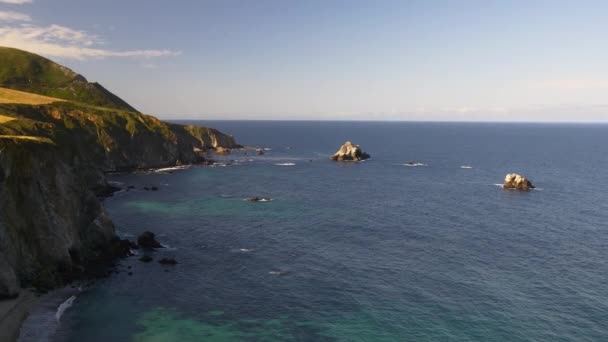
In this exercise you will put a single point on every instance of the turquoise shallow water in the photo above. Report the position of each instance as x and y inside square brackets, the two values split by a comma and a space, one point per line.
[373, 251]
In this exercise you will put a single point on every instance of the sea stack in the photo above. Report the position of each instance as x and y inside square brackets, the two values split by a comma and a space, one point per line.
[148, 240]
[350, 152]
[516, 181]
[222, 150]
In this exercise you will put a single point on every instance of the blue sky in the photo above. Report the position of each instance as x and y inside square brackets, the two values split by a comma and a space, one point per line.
[346, 60]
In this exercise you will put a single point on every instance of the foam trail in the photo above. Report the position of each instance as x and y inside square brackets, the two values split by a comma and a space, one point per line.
[466, 167]
[285, 164]
[64, 306]
[174, 168]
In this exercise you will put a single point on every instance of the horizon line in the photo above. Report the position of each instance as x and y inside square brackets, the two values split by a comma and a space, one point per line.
[398, 121]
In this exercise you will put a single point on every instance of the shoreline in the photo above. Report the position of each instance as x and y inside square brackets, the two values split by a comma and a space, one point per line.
[13, 312]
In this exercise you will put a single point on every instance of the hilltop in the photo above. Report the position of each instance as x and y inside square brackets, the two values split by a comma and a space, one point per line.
[25, 71]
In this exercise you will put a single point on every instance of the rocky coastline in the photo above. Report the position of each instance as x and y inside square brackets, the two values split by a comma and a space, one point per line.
[54, 159]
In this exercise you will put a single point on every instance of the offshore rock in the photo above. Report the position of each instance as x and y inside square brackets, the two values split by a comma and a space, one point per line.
[516, 181]
[350, 152]
[148, 240]
[222, 150]
[167, 261]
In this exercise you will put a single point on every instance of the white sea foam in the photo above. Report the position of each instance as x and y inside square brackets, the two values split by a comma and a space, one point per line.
[241, 250]
[285, 164]
[414, 164]
[168, 248]
[258, 199]
[64, 306]
[466, 167]
[174, 168]
[502, 186]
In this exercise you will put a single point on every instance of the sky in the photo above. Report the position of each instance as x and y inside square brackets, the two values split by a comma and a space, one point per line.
[329, 59]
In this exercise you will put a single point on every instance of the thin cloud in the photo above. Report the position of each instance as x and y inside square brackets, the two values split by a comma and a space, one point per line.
[64, 42]
[13, 16]
[571, 84]
[16, 2]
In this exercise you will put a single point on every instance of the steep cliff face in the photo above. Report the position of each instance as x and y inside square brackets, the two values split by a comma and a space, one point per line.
[53, 160]
[51, 226]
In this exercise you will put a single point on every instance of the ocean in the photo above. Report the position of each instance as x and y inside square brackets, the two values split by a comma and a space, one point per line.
[369, 251]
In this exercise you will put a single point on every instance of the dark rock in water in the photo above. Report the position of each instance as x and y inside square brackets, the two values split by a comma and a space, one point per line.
[130, 273]
[259, 151]
[167, 261]
[154, 188]
[350, 152]
[146, 188]
[120, 248]
[259, 199]
[105, 190]
[133, 245]
[518, 182]
[148, 240]
[146, 258]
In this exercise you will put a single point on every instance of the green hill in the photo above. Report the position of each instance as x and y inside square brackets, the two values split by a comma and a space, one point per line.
[25, 71]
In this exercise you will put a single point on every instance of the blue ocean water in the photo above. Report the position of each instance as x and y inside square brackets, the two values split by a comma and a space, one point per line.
[370, 251]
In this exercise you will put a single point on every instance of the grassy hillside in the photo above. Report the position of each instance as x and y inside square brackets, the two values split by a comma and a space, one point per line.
[16, 96]
[110, 139]
[29, 72]
[95, 130]
[4, 118]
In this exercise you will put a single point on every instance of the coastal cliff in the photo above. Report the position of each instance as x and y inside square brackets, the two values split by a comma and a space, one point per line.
[51, 226]
[54, 154]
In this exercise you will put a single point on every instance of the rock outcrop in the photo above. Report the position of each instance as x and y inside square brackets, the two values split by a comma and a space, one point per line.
[167, 261]
[258, 199]
[516, 181]
[148, 240]
[222, 150]
[350, 152]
